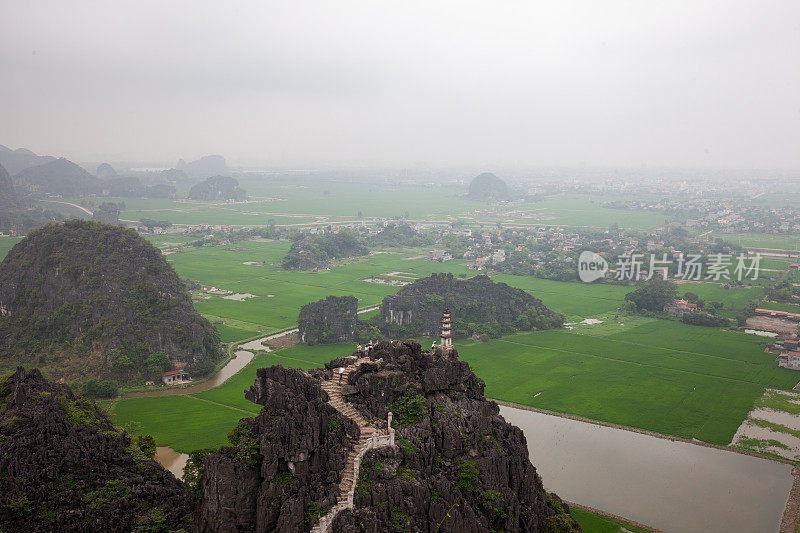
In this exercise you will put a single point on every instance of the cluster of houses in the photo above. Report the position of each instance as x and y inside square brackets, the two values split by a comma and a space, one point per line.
[679, 307]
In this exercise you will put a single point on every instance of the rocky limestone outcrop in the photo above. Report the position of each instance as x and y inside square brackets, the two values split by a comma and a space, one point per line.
[459, 465]
[58, 177]
[291, 472]
[87, 299]
[65, 467]
[417, 309]
[487, 187]
[8, 197]
[218, 189]
[208, 165]
[332, 319]
[105, 172]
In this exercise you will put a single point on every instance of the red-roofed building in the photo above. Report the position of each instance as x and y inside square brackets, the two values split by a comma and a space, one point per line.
[175, 376]
[679, 307]
[780, 314]
[789, 360]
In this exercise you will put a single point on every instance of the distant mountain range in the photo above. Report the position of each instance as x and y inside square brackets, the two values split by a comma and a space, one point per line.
[59, 176]
[17, 160]
[8, 197]
[205, 167]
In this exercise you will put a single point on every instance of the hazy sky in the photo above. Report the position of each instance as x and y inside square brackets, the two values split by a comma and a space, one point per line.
[602, 83]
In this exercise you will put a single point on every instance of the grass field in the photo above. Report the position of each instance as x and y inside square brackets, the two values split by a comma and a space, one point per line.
[652, 374]
[230, 333]
[777, 306]
[660, 375]
[584, 210]
[733, 299]
[203, 420]
[281, 293]
[760, 240]
[595, 523]
[7, 243]
[297, 200]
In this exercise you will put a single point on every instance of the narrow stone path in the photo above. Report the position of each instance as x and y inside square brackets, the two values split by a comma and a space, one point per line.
[347, 486]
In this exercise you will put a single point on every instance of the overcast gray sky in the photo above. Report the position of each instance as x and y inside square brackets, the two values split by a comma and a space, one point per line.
[601, 83]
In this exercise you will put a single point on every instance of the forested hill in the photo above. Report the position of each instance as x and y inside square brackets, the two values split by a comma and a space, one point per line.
[478, 306]
[87, 299]
[8, 197]
[488, 188]
[218, 189]
[61, 177]
[311, 252]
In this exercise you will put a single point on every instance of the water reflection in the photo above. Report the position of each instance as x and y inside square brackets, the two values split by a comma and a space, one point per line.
[670, 485]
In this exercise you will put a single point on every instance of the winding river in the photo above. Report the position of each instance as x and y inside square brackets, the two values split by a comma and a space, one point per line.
[671, 485]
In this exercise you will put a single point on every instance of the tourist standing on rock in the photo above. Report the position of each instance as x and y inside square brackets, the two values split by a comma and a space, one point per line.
[341, 373]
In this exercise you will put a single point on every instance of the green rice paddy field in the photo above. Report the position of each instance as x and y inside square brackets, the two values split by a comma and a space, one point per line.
[595, 523]
[7, 243]
[298, 201]
[652, 374]
[757, 240]
[662, 376]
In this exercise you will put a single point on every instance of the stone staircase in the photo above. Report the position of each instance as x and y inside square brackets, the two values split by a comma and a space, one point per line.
[368, 438]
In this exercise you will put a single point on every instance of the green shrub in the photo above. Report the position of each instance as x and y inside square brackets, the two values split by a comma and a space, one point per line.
[113, 490]
[20, 506]
[467, 476]
[408, 447]
[334, 424]
[401, 521]
[409, 408]
[494, 502]
[100, 389]
[147, 444]
[313, 513]
[193, 471]
[561, 522]
[244, 439]
[80, 411]
[284, 479]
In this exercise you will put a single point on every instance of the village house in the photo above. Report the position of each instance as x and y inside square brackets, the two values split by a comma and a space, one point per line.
[778, 314]
[175, 376]
[679, 307]
[790, 360]
[791, 345]
[439, 255]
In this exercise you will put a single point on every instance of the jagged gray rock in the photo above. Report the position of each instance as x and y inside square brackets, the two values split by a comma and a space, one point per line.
[458, 465]
[332, 319]
[302, 445]
[65, 467]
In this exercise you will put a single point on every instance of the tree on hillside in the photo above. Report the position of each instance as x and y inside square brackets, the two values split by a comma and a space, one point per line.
[653, 294]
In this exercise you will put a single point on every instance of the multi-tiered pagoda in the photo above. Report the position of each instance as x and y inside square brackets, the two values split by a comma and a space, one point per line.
[447, 333]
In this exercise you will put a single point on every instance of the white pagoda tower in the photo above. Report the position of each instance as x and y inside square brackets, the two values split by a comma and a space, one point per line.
[447, 335]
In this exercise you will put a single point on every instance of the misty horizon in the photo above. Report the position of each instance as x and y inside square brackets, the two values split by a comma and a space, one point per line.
[470, 86]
